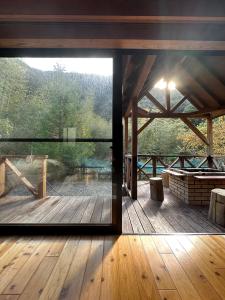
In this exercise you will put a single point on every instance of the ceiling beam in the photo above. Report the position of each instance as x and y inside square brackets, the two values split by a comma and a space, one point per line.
[203, 113]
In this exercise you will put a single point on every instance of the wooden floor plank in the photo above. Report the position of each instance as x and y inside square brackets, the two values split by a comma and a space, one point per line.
[56, 280]
[9, 297]
[180, 279]
[11, 270]
[214, 277]
[144, 276]
[18, 283]
[136, 223]
[71, 288]
[161, 245]
[196, 276]
[91, 286]
[110, 269]
[128, 286]
[37, 283]
[169, 295]
[160, 272]
[126, 225]
[207, 253]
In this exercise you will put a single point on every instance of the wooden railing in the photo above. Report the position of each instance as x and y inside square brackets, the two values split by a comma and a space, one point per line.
[40, 191]
[166, 161]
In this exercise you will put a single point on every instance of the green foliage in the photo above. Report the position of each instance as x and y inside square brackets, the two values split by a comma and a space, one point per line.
[160, 137]
[50, 104]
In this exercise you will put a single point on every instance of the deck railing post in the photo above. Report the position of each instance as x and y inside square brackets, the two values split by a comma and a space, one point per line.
[42, 187]
[2, 177]
[181, 159]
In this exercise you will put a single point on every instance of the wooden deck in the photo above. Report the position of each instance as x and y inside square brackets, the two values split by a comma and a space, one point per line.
[112, 268]
[141, 216]
[56, 209]
[172, 215]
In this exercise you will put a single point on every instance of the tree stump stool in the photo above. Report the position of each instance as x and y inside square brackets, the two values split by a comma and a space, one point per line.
[217, 207]
[156, 188]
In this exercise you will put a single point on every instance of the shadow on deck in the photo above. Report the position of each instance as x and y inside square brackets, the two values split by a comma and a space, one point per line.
[170, 216]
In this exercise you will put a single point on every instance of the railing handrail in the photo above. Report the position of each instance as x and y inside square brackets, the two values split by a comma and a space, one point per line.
[173, 155]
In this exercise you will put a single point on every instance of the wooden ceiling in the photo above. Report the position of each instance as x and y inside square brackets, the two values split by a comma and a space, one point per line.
[134, 24]
[200, 79]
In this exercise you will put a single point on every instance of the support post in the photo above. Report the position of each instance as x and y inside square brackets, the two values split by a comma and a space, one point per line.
[210, 142]
[2, 177]
[154, 166]
[126, 135]
[42, 187]
[167, 99]
[125, 149]
[134, 151]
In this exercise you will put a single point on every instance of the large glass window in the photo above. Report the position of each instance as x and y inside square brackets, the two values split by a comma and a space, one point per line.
[56, 140]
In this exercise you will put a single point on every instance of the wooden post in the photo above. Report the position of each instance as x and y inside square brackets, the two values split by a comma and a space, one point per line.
[181, 159]
[134, 151]
[210, 142]
[167, 99]
[125, 148]
[42, 187]
[2, 177]
[126, 135]
[154, 166]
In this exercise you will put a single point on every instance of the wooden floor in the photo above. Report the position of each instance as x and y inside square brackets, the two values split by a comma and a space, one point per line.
[141, 216]
[172, 215]
[126, 267]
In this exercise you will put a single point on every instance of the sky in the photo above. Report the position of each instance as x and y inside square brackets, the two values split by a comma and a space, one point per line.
[100, 66]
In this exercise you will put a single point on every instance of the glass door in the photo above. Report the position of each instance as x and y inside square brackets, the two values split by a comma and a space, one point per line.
[60, 143]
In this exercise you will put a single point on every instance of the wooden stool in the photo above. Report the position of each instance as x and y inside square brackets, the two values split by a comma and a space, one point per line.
[217, 207]
[156, 188]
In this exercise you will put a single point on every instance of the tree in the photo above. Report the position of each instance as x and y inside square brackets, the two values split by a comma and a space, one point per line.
[192, 144]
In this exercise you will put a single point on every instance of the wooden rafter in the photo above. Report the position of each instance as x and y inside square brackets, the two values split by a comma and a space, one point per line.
[196, 86]
[145, 71]
[195, 130]
[155, 102]
[194, 100]
[211, 70]
[140, 129]
[144, 126]
[175, 107]
[200, 84]
[205, 70]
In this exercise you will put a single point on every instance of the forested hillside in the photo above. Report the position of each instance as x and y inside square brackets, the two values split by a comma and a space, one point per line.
[37, 104]
[58, 104]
